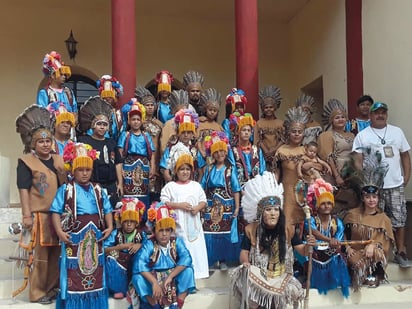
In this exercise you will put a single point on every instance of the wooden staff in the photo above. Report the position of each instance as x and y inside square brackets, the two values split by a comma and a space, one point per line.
[301, 189]
[347, 242]
[306, 209]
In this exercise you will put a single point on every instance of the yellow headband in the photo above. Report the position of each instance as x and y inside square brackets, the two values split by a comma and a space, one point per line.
[186, 126]
[184, 159]
[220, 145]
[131, 215]
[164, 87]
[244, 121]
[85, 162]
[325, 197]
[65, 117]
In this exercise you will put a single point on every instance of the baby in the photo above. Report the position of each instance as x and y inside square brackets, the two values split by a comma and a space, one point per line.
[310, 167]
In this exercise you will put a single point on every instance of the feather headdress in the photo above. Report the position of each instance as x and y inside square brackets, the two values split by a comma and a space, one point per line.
[295, 115]
[34, 123]
[192, 77]
[272, 92]
[143, 95]
[260, 192]
[91, 110]
[331, 109]
[211, 97]
[176, 152]
[178, 97]
[306, 101]
[373, 172]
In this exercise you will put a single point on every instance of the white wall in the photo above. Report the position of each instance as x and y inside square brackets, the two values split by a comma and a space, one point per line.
[387, 60]
[317, 48]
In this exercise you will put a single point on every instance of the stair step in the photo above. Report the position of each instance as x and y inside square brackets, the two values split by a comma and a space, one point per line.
[217, 279]
[24, 304]
[399, 293]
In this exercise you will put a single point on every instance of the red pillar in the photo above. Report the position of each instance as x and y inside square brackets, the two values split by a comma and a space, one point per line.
[124, 46]
[247, 56]
[354, 62]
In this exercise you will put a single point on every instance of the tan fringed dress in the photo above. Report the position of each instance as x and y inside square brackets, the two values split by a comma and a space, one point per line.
[376, 227]
[268, 135]
[288, 158]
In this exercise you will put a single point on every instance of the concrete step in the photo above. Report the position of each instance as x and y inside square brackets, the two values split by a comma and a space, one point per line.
[396, 292]
[393, 292]
[25, 304]
[399, 293]
[9, 215]
[217, 279]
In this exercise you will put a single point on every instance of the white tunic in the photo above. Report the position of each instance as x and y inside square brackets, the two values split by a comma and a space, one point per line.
[188, 226]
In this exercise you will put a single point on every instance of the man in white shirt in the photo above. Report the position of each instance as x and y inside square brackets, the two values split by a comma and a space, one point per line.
[390, 141]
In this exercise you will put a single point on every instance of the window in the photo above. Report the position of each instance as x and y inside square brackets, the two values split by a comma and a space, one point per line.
[83, 88]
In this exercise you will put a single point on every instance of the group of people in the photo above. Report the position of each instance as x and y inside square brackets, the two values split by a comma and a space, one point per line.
[141, 201]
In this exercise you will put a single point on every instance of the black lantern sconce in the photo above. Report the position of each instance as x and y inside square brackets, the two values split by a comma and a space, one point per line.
[71, 46]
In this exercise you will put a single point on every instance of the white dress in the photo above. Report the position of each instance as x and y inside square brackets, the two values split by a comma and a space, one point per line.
[188, 226]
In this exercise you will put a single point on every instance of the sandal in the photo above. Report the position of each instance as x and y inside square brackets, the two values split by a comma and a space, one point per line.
[45, 300]
[371, 282]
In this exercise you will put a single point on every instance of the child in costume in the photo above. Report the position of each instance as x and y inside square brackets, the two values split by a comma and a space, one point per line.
[211, 101]
[187, 198]
[58, 74]
[122, 244]
[186, 122]
[249, 158]
[154, 127]
[235, 106]
[94, 115]
[64, 121]
[138, 151]
[311, 167]
[164, 81]
[221, 184]
[82, 217]
[268, 131]
[179, 99]
[162, 268]
[329, 268]
[110, 90]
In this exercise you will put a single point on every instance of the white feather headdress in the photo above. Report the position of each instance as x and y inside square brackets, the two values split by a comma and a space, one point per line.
[175, 152]
[256, 189]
